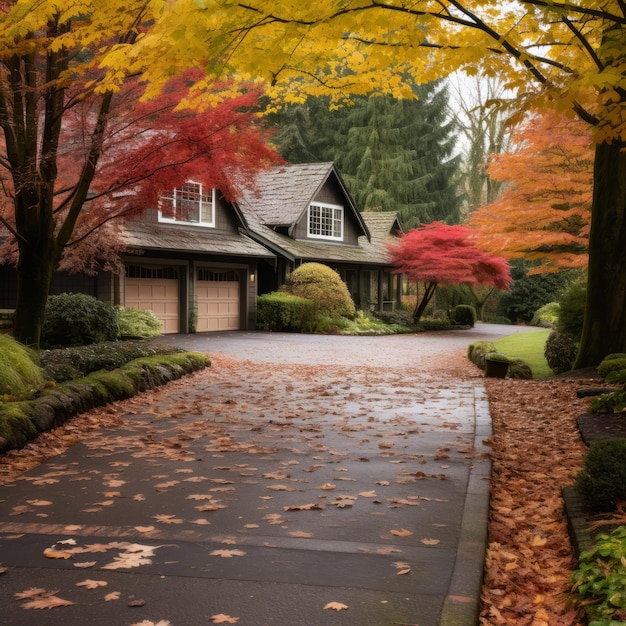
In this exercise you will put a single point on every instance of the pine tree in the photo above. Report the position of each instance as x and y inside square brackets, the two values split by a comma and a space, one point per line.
[395, 155]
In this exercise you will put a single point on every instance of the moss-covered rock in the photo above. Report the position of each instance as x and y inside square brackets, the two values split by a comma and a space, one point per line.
[22, 421]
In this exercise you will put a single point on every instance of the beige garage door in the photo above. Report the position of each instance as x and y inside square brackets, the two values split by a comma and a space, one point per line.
[218, 302]
[156, 290]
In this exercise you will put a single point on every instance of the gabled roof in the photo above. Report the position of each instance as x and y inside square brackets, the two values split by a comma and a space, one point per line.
[280, 196]
[382, 224]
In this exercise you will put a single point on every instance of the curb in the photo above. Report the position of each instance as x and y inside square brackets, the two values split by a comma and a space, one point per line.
[461, 606]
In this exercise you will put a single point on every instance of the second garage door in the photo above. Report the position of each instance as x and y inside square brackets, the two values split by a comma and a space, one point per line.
[218, 301]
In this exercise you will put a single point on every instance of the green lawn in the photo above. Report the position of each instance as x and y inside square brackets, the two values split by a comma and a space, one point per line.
[527, 346]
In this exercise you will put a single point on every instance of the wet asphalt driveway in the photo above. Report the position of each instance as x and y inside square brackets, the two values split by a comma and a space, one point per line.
[300, 480]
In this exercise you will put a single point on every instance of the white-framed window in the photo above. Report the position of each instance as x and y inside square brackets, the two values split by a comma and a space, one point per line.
[325, 221]
[188, 204]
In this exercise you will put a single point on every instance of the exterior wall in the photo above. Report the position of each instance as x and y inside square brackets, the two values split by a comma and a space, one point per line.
[224, 218]
[331, 193]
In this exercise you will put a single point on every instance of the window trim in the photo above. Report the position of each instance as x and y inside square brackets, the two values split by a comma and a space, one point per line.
[174, 220]
[334, 207]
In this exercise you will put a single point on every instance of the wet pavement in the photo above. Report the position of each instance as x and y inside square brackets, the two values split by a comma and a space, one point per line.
[300, 480]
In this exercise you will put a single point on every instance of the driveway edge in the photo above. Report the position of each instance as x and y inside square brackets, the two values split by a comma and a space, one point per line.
[462, 603]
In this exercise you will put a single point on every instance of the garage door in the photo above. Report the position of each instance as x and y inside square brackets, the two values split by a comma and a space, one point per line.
[218, 302]
[157, 290]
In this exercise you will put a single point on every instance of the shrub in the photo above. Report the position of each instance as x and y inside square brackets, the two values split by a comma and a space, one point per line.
[324, 286]
[611, 365]
[477, 352]
[547, 316]
[20, 374]
[76, 319]
[285, 312]
[560, 352]
[602, 481]
[401, 317]
[464, 315]
[138, 324]
[572, 309]
[609, 402]
[76, 362]
[600, 579]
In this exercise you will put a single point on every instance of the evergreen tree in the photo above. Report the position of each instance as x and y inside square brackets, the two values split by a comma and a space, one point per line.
[395, 155]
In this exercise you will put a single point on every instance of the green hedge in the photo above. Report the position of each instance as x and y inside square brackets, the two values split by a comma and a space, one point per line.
[282, 311]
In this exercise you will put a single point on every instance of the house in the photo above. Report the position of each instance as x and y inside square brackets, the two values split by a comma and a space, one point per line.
[199, 261]
[304, 213]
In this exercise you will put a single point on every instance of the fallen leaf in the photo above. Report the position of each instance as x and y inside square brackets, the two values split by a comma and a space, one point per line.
[403, 532]
[85, 564]
[431, 542]
[227, 554]
[33, 592]
[41, 599]
[328, 487]
[336, 606]
[368, 494]
[303, 507]
[144, 529]
[167, 519]
[3, 570]
[51, 553]
[137, 603]
[92, 584]
[114, 595]
[221, 618]
[300, 533]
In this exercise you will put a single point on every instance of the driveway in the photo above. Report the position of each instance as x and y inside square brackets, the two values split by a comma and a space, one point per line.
[300, 480]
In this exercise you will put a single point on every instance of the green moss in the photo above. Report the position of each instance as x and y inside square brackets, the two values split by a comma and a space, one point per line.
[20, 374]
[16, 427]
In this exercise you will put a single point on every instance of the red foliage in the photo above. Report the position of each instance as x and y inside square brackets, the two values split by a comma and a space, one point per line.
[438, 253]
[149, 148]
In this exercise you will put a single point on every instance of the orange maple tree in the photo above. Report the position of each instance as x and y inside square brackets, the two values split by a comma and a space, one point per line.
[545, 210]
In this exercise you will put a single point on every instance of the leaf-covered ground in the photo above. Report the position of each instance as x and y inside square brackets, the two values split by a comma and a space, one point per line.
[536, 449]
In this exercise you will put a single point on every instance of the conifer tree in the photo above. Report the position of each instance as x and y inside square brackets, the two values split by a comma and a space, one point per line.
[395, 155]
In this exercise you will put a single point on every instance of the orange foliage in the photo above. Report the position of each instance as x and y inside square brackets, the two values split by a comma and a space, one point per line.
[544, 213]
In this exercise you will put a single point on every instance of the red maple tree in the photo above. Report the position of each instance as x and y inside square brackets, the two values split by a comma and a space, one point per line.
[438, 253]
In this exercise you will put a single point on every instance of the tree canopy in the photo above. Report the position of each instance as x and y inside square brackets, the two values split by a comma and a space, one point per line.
[544, 211]
[551, 54]
[439, 253]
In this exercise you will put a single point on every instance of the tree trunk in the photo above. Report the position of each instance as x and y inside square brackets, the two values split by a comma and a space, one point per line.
[34, 276]
[604, 329]
[420, 307]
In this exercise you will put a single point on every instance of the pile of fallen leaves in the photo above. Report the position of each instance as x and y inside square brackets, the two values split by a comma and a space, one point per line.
[537, 450]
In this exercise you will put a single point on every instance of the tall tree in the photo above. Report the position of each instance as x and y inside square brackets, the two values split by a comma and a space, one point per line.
[78, 151]
[438, 253]
[544, 212]
[482, 107]
[394, 154]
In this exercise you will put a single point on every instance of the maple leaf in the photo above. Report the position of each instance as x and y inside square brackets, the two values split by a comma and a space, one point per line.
[144, 529]
[114, 595]
[167, 519]
[51, 553]
[92, 584]
[227, 554]
[42, 599]
[336, 606]
[403, 532]
[430, 542]
[221, 618]
[304, 507]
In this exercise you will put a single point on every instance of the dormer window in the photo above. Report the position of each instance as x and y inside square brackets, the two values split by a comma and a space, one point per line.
[325, 221]
[189, 204]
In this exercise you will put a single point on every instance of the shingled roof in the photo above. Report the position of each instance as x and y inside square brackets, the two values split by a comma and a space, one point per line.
[155, 236]
[281, 195]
